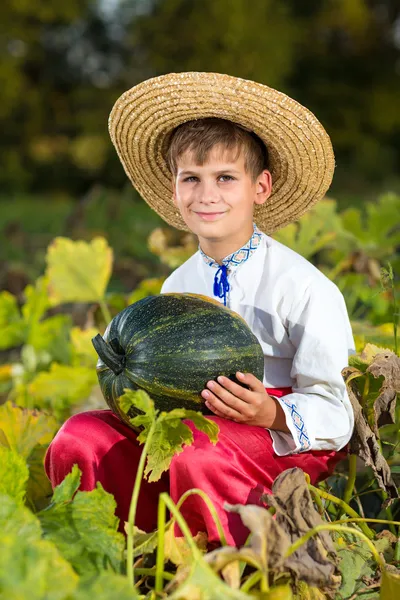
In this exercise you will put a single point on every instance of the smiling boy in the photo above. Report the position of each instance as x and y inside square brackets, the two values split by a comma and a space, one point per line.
[231, 161]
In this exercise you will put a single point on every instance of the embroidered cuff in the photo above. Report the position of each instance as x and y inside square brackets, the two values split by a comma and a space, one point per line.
[295, 441]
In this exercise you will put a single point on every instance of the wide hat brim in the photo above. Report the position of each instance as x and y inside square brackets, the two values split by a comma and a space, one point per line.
[301, 156]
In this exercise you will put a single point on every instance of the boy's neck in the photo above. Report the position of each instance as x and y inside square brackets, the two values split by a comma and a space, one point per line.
[218, 249]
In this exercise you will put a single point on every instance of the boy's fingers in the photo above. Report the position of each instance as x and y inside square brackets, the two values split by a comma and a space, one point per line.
[250, 380]
[234, 388]
[222, 409]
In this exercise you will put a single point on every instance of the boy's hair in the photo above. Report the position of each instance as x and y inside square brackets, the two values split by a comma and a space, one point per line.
[201, 135]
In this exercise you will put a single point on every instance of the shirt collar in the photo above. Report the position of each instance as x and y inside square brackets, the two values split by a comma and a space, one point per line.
[232, 261]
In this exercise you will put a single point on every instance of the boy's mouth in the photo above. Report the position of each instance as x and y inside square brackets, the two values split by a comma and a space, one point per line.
[209, 216]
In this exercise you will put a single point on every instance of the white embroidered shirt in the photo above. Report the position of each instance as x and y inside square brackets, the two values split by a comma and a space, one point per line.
[300, 319]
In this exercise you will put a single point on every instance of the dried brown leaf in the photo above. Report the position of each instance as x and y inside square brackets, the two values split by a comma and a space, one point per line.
[364, 443]
[315, 561]
[387, 365]
[269, 541]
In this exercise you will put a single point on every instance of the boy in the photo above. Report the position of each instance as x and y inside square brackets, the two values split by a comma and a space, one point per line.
[232, 161]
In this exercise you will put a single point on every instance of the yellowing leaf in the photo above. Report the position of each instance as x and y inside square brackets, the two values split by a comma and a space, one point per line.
[370, 351]
[177, 550]
[13, 474]
[61, 387]
[147, 287]
[390, 585]
[34, 569]
[78, 271]
[83, 350]
[13, 328]
[36, 301]
[22, 429]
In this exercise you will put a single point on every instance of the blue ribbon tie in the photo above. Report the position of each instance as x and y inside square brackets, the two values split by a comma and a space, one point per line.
[221, 286]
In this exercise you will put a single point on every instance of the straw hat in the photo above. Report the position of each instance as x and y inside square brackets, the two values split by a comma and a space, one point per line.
[301, 156]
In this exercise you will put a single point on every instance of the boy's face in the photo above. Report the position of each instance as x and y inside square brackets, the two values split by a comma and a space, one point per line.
[216, 199]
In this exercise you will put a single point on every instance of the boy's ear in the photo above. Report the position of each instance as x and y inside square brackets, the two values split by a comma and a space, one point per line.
[263, 187]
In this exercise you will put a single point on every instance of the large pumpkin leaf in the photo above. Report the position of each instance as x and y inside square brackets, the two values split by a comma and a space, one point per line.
[60, 388]
[14, 474]
[78, 271]
[33, 569]
[22, 429]
[16, 519]
[356, 563]
[84, 529]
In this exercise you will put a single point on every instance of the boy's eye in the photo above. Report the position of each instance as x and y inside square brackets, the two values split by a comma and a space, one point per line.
[193, 178]
[229, 177]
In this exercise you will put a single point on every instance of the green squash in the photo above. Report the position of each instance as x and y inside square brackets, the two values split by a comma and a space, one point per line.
[170, 345]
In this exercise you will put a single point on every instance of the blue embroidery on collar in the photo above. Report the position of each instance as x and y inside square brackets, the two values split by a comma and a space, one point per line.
[239, 256]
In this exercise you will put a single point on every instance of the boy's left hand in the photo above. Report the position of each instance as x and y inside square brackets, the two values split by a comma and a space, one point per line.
[252, 406]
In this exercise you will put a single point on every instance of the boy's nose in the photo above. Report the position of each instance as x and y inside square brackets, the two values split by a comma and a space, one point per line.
[209, 192]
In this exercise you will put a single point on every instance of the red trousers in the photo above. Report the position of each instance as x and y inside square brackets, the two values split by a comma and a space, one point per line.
[237, 470]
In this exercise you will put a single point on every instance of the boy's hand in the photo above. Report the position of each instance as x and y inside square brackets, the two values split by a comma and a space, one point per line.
[252, 406]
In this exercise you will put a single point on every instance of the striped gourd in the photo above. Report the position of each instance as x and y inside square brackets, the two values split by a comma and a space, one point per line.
[170, 345]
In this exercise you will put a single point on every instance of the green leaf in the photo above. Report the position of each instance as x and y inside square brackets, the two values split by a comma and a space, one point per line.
[85, 529]
[36, 302]
[141, 401]
[22, 429]
[61, 387]
[65, 491]
[356, 562]
[33, 569]
[208, 427]
[13, 328]
[169, 436]
[83, 352]
[78, 271]
[107, 586]
[199, 581]
[18, 520]
[39, 490]
[52, 336]
[170, 433]
[14, 474]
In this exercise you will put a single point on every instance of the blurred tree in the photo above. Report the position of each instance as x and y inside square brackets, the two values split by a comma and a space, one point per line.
[341, 58]
[58, 63]
[64, 64]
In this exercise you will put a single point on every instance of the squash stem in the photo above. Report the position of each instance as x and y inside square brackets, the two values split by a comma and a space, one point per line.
[114, 361]
[133, 505]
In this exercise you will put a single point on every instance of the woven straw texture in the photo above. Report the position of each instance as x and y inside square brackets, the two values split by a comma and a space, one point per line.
[301, 156]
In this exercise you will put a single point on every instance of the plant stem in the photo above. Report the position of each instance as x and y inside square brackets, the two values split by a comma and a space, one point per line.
[160, 547]
[152, 572]
[210, 507]
[104, 311]
[165, 498]
[251, 581]
[133, 505]
[351, 480]
[339, 529]
[365, 520]
[345, 507]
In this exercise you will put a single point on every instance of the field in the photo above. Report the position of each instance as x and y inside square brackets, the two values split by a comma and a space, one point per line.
[65, 544]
